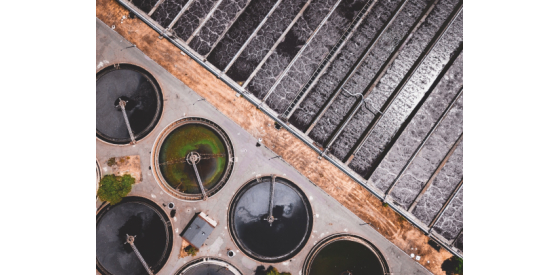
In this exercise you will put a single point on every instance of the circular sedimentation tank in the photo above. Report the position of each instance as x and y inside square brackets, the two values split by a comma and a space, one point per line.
[208, 266]
[345, 254]
[270, 219]
[142, 99]
[152, 231]
[192, 152]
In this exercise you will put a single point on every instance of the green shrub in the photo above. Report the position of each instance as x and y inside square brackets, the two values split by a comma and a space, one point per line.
[113, 188]
[191, 250]
[273, 271]
[453, 266]
[111, 162]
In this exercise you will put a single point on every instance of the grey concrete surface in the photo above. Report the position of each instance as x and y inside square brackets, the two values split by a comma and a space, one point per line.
[329, 216]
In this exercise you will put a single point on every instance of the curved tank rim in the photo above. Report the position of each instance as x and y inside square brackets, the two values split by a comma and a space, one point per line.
[169, 225]
[306, 269]
[161, 95]
[206, 259]
[282, 258]
[162, 183]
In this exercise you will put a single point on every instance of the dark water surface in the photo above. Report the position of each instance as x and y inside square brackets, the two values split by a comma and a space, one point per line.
[138, 219]
[344, 255]
[207, 269]
[287, 234]
[145, 5]
[135, 86]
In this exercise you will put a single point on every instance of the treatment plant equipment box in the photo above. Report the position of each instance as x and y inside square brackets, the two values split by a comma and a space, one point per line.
[198, 230]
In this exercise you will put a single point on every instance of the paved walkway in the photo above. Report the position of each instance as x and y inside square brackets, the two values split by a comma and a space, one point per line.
[329, 215]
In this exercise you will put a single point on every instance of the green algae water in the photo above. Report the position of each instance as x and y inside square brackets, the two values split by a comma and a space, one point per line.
[340, 256]
[193, 138]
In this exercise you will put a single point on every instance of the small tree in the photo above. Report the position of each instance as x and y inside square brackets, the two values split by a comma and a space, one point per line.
[111, 162]
[453, 266]
[113, 188]
[273, 271]
[191, 250]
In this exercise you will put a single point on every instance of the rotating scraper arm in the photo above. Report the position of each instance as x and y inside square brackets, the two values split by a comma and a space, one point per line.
[183, 160]
[199, 182]
[130, 240]
[122, 105]
[193, 158]
[270, 219]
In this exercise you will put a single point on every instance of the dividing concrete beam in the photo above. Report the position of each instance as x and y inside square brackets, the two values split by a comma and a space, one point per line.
[197, 30]
[447, 24]
[435, 173]
[421, 146]
[185, 7]
[451, 197]
[278, 41]
[155, 7]
[339, 130]
[329, 58]
[251, 37]
[227, 29]
[300, 51]
[353, 70]
[411, 116]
